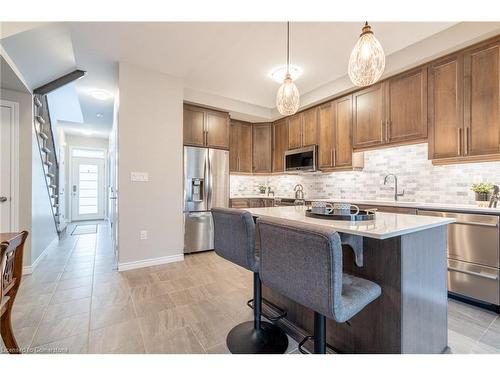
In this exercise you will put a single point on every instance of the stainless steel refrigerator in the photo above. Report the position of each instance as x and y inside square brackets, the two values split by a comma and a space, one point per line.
[206, 185]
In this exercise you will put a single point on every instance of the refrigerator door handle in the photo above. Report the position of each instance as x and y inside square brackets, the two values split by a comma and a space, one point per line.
[208, 174]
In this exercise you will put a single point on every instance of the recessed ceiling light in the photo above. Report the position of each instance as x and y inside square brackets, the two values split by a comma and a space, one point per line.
[99, 115]
[100, 94]
[278, 74]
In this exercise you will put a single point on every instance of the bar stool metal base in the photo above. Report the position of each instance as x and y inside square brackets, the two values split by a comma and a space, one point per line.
[245, 339]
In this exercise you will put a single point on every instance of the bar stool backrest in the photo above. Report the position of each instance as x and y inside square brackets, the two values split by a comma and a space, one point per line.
[234, 237]
[302, 262]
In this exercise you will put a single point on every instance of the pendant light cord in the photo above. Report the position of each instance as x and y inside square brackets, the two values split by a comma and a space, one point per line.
[288, 47]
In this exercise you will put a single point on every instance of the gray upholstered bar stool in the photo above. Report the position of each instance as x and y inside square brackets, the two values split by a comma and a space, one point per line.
[304, 263]
[234, 240]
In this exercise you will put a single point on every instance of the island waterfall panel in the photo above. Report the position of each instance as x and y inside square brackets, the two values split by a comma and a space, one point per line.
[411, 314]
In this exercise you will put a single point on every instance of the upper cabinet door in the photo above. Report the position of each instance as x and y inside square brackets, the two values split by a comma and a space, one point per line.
[234, 147]
[342, 152]
[445, 104]
[310, 127]
[368, 120]
[280, 144]
[325, 141]
[295, 131]
[245, 148]
[407, 107]
[481, 100]
[217, 127]
[194, 126]
[262, 156]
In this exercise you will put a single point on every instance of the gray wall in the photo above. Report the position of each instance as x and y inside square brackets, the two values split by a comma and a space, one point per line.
[150, 140]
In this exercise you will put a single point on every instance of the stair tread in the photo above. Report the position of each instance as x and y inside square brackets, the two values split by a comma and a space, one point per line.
[46, 150]
[43, 135]
[40, 119]
[37, 101]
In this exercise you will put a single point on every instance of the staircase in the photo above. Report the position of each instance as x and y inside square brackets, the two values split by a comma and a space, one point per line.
[48, 153]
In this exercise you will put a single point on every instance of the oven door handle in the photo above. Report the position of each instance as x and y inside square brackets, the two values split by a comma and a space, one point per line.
[472, 273]
[476, 223]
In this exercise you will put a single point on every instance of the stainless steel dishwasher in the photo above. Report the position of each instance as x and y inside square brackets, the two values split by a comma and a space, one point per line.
[473, 255]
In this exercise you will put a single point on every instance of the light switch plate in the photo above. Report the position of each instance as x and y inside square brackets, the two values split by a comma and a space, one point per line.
[144, 234]
[139, 176]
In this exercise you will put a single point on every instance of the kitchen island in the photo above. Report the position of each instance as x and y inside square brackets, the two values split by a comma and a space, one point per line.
[406, 256]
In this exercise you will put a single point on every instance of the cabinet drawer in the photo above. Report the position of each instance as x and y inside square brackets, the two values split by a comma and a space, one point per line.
[472, 238]
[239, 203]
[475, 281]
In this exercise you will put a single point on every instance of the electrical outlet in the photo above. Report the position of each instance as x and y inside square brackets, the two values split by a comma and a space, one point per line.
[144, 234]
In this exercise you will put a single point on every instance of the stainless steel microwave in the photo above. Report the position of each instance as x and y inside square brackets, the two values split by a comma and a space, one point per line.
[301, 159]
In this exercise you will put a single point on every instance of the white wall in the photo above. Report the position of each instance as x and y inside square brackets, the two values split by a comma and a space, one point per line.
[43, 228]
[25, 148]
[150, 140]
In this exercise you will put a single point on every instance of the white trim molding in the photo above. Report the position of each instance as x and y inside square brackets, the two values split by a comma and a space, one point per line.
[29, 269]
[125, 266]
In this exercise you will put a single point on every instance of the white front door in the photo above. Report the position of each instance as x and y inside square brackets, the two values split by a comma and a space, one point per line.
[8, 122]
[87, 190]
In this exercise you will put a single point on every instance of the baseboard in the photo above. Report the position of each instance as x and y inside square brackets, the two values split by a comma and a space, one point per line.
[29, 269]
[125, 266]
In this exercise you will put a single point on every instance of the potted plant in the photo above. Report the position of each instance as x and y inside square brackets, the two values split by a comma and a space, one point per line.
[483, 192]
[262, 188]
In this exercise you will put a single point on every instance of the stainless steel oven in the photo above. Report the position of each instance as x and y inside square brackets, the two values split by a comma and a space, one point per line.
[473, 255]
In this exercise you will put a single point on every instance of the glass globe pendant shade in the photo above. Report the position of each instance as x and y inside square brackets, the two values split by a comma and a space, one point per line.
[288, 97]
[367, 61]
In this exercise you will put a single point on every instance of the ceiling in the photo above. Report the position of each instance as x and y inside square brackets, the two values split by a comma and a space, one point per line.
[226, 59]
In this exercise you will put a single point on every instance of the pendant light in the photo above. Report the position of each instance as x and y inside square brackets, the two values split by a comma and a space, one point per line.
[288, 97]
[367, 61]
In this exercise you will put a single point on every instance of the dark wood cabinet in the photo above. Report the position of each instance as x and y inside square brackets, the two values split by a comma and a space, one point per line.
[342, 151]
[303, 129]
[335, 137]
[310, 127]
[368, 117]
[217, 129]
[240, 148]
[280, 144]
[326, 136]
[392, 112]
[194, 126]
[205, 127]
[464, 109]
[406, 111]
[445, 111]
[251, 202]
[262, 148]
[481, 100]
[295, 131]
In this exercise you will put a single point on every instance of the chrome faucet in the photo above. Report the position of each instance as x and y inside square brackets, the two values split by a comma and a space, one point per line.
[396, 194]
[299, 191]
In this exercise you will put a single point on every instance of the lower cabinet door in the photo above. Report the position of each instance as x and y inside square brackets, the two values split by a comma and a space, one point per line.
[474, 281]
[198, 232]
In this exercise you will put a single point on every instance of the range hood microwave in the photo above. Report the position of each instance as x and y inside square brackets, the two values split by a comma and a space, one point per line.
[301, 159]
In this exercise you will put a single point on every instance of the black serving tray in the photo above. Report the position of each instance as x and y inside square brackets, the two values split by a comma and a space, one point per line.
[363, 215]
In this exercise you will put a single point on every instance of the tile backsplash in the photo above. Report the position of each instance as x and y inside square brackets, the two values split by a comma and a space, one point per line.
[421, 181]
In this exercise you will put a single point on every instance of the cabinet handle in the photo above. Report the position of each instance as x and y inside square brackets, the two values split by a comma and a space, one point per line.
[238, 164]
[334, 157]
[331, 157]
[381, 130]
[387, 125]
[466, 141]
[459, 141]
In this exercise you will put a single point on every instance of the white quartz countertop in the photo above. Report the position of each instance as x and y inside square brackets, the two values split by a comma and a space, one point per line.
[385, 225]
[390, 203]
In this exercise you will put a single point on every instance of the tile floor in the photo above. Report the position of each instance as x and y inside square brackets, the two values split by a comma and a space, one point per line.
[76, 302]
